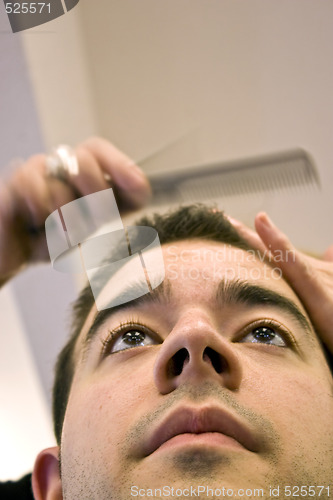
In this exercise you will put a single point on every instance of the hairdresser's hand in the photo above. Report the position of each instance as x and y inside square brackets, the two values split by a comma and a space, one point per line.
[30, 195]
[312, 279]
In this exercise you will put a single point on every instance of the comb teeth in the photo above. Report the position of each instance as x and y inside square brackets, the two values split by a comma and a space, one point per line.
[280, 171]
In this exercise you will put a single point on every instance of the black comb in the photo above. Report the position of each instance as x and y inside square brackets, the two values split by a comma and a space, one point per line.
[283, 170]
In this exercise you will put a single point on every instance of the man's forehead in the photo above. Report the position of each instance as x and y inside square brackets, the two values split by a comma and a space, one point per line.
[212, 261]
[197, 265]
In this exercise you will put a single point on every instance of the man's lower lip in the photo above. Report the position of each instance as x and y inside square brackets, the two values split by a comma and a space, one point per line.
[210, 439]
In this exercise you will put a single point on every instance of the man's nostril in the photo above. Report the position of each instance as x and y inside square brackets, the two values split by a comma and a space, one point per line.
[182, 357]
[177, 362]
[219, 363]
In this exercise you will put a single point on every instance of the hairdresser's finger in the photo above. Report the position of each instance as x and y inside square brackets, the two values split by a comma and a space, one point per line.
[90, 178]
[127, 178]
[312, 279]
[29, 192]
[249, 235]
[281, 248]
[297, 266]
[328, 255]
[35, 194]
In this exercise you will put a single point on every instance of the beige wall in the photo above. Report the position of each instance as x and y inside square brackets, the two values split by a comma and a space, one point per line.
[242, 77]
[58, 69]
[253, 76]
[233, 78]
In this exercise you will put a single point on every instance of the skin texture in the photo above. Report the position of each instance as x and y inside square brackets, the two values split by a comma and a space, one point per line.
[119, 399]
[30, 195]
[311, 278]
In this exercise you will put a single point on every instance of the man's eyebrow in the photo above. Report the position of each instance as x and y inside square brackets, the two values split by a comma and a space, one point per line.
[228, 292]
[237, 291]
[160, 294]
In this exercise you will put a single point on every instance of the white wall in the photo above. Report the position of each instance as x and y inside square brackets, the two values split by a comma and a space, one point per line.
[56, 59]
[234, 78]
[25, 426]
[249, 77]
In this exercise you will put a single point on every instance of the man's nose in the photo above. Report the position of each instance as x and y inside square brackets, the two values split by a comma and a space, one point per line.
[195, 351]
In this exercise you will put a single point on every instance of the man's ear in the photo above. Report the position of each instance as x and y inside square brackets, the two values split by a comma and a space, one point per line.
[46, 481]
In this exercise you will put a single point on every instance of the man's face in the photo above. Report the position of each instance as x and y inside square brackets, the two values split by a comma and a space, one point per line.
[215, 381]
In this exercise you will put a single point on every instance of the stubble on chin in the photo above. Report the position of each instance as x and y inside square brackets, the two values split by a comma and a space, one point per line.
[203, 464]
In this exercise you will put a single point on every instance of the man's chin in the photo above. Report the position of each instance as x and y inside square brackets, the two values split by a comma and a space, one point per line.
[213, 468]
[203, 460]
[200, 462]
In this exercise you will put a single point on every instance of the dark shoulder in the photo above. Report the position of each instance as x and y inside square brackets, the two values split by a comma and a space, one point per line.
[18, 490]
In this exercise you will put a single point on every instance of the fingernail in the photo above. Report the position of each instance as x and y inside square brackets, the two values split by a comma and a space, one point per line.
[135, 167]
[233, 221]
[264, 219]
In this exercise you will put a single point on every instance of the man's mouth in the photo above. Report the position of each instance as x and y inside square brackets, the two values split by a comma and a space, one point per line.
[200, 426]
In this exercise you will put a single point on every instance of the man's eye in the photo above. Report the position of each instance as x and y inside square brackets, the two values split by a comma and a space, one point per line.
[133, 337]
[265, 335]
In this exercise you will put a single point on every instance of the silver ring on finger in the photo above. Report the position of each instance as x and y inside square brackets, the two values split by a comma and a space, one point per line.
[62, 163]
